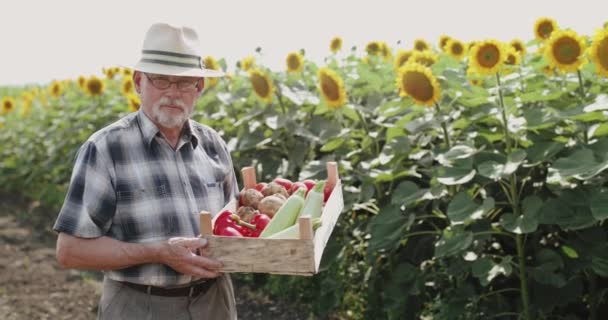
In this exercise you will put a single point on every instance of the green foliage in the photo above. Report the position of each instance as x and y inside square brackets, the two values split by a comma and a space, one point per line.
[447, 214]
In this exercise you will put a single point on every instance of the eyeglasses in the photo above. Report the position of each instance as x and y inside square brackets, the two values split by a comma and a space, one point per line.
[164, 83]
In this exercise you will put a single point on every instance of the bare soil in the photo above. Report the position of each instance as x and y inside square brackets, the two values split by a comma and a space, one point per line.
[33, 286]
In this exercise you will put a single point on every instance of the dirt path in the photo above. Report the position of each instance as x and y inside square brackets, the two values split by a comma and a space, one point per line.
[33, 286]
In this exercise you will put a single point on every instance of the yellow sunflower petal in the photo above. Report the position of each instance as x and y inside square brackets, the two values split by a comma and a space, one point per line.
[425, 58]
[247, 63]
[210, 63]
[519, 46]
[332, 88]
[56, 88]
[419, 83]
[401, 58]
[443, 40]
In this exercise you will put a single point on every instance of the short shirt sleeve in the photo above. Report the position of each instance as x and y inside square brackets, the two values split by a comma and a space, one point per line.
[90, 202]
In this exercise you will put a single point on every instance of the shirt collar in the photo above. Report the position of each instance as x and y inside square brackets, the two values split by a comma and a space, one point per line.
[149, 130]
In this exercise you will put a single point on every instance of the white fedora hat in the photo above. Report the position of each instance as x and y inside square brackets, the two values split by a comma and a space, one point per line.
[173, 51]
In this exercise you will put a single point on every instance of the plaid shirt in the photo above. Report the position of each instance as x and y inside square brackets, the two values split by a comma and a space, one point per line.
[130, 185]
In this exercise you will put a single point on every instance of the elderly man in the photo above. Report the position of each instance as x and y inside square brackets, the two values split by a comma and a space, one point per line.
[137, 188]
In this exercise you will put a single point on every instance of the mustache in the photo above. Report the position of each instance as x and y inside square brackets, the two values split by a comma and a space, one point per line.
[173, 102]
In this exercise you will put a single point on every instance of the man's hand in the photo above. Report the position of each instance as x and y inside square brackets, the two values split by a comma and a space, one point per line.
[180, 254]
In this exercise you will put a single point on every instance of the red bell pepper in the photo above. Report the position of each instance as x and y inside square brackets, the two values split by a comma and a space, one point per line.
[225, 225]
[260, 221]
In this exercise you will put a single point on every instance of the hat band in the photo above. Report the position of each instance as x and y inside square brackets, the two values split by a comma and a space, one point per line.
[172, 59]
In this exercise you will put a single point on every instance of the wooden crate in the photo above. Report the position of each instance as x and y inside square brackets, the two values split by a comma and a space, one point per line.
[278, 256]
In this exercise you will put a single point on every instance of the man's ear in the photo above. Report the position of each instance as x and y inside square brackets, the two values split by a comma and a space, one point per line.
[137, 81]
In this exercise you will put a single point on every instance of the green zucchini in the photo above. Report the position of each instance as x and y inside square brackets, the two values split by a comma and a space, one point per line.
[286, 215]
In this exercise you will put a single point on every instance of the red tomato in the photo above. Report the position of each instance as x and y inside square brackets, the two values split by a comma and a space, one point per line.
[326, 193]
[309, 183]
[260, 186]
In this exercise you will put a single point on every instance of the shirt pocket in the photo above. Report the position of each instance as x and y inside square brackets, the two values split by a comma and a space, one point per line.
[213, 197]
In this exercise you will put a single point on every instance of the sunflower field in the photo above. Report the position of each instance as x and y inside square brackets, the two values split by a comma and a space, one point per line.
[473, 172]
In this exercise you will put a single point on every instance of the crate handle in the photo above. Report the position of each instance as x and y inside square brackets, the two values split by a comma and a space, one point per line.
[305, 228]
[249, 180]
[332, 174]
[205, 223]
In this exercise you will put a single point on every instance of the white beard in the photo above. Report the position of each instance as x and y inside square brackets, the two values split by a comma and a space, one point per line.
[168, 120]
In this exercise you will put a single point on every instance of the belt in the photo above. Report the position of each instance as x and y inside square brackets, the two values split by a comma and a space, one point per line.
[191, 291]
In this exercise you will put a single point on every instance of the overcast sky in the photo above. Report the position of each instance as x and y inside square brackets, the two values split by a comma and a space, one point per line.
[61, 39]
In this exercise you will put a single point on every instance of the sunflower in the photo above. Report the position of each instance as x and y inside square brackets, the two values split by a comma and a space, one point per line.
[475, 82]
[401, 58]
[456, 49]
[373, 48]
[56, 88]
[486, 57]
[127, 86]
[127, 72]
[332, 88]
[210, 63]
[247, 63]
[425, 58]
[385, 51]
[417, 81]
[599, 52]
[443, 40]
[95, 86]
[261, 84]
[421, 45]
[8, 105]
[564, 50]
[519, 46]
[81, 81]
[134, 102]
[110, 72]
[335, 44]
[544, 27]
[295, 62]
[513, 58]
[26, 103]
[548, 71]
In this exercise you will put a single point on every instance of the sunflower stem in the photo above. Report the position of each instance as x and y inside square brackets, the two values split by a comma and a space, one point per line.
[580, 83]
[446, 137]
[366, 128]
[504, 114]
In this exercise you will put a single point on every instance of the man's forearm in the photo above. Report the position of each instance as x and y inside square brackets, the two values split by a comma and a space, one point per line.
[103, 253]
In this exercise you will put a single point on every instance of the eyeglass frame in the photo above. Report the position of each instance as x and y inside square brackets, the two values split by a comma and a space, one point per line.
[177, 84]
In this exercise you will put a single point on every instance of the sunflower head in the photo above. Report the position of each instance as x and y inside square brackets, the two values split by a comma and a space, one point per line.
[421, 45]
[81, 81]
[425, 58]
[564, 50]
[418, 82]
[210, 63]
[95, 86]
[335, 44]
[109, 72]
[262, 85]
[456, 49]
[513, 58]
[519, 46]
[486, 57]
[8, 105]
[543, 27]
[247, 63]
[127, 86]
[599, 51]
[295, 62]
[401, 58]
[26, 103]
[373, 48]
[385, 51]
[56, 88]
[332, 88]
[475, 82]
[443, 40]
[133, 102]
[127, 72]
[549, 71]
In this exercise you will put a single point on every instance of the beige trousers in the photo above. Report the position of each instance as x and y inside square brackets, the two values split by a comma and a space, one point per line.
[121, 302]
